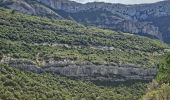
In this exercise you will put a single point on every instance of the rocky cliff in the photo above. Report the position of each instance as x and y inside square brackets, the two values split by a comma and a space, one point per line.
[87, 71]
[30, 7]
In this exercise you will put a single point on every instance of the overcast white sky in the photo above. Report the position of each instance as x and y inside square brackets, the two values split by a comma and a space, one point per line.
[120, 1]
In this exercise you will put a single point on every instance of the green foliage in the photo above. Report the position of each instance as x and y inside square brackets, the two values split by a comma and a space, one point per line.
[39, 39]
[160, 93]
[15, 84]
[1, 56]
[164, 70]
[23, 36]
[157, 91]
[13, 11]
[168, 60]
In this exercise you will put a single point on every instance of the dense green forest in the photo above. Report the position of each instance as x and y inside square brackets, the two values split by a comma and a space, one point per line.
[24, 36]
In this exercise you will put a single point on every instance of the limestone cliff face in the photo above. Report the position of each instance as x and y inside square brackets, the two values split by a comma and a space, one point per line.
[105, 73]
[145, 10]
[142, 11]
[88, 71]
[62, 4]
[141, 28]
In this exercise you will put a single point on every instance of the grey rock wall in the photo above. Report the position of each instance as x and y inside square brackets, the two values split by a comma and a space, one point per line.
[89, 71]
[105, 73]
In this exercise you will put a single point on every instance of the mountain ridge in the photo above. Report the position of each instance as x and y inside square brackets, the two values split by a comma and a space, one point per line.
[138, 19]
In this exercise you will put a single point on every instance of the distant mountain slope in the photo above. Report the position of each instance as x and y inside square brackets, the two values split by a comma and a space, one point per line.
[30, 7]
[137, 19]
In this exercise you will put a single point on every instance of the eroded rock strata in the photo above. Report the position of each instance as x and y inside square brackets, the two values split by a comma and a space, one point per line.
[88, 71]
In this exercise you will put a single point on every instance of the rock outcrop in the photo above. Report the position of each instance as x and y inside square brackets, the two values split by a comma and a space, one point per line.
[30, 7]
[87, 71]
[104, 73]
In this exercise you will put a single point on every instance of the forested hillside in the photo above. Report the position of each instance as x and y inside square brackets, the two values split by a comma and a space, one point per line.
[150, 20]
[29, 37]
[31, 41]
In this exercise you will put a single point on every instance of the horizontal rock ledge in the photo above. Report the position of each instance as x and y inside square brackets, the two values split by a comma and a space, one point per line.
[91, 71]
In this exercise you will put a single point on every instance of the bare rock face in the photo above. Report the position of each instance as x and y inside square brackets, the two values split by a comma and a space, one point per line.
[140, 28]
[30, 7]
[142, 11]
[61, 4]
[105, 73]
[26, 8]
[88, 71]
[22, 64]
